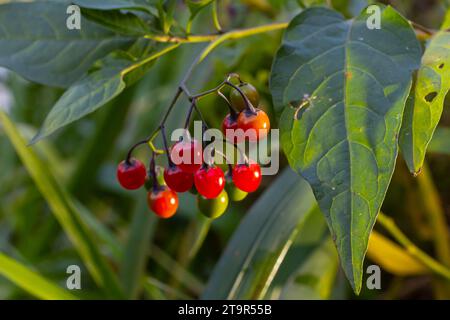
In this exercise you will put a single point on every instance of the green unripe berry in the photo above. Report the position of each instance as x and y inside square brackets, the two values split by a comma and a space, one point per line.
[250, 91]
[213, 208]
[234, 193]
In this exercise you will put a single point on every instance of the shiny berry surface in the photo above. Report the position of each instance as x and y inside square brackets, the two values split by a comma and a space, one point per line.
[177, 179]
[250, 92]
[247, 177]
[213, 208]
[256, 125]
[163, 202]
[209, 181]
[132, 174]
[187, 155]
[234, 193]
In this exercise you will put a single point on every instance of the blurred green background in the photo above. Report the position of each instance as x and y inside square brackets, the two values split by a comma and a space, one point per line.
[274, 244]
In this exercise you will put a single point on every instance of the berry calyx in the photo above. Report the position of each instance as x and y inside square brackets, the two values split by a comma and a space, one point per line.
[163, 202]
[187, 155]
[256, 124]
[247, 177]
[234, 193]
[209, 181]
[213, 208]
[177, 179]
[131, 174]
[250, 92]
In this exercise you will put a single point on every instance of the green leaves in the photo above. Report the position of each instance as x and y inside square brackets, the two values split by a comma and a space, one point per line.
[195, 6]
[64, 210]
[351, 83]
[253, 255]
[96, 89]
[424, 107]
[36, 43]
[117, 4]
[31, 281]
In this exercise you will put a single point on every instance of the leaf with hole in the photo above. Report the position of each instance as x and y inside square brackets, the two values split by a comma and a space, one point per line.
[341, 89]
[426, 102]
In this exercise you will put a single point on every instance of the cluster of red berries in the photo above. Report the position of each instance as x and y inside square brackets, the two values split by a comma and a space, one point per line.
[213, 186]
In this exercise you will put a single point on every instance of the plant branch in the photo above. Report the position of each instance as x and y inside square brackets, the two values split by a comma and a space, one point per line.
[216, 40]
[390, 226]
[233, 34]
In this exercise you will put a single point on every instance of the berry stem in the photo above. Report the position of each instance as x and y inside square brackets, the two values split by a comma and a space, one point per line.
[152, 172]
[241, 153]
[233, 112]
[166, 147]
[130, 151]
[248, 104]
[189, 114]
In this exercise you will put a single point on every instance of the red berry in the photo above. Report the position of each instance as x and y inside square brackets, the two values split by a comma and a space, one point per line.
[229, 125]
[247, 177]
[131, 175]
[163, 202]
[177, 179]
[187, 155]
[209, 181]
[257, 121]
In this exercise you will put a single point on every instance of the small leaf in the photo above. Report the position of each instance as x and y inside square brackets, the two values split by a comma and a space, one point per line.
[96, 89]
[64, 210]
[393, 258]
[36, 43]
[346, 85]
[31, 281]
[259, 245]
[311, 264]
[425, 104]
[195, 6]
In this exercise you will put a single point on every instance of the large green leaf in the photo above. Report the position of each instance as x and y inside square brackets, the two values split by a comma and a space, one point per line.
[424, 108]
[64, 209]
[96, 89]
[31, 281]
[352, 83]
[136, 249]
[125, 23]
[145, 5]
[259, 245]
[36, 43]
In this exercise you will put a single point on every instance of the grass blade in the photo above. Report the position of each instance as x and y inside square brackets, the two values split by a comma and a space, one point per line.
[31, 281]
[259, 245]
[64, 210]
